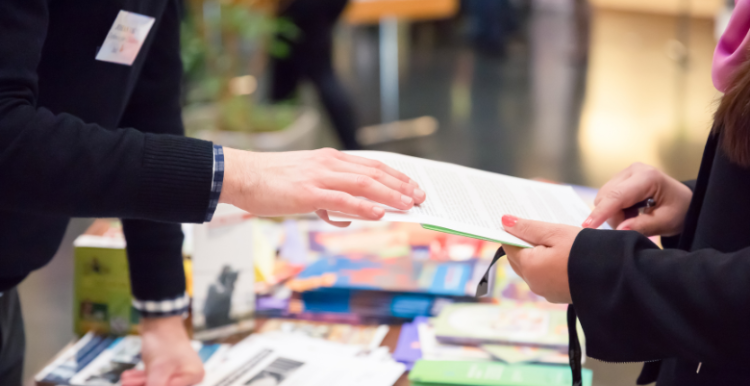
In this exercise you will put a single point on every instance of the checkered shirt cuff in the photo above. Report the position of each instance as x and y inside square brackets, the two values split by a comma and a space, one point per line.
[217, 180]
[163, 308]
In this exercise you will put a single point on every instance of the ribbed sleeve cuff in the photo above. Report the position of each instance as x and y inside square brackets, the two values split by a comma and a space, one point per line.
[163, 308]
[176, 178]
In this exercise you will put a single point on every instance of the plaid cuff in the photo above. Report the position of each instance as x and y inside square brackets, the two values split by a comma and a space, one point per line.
[162, 308]
[217, 181]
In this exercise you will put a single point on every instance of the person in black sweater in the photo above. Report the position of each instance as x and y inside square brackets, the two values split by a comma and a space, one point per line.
[684, 309]
[311, 57]
[90, 126]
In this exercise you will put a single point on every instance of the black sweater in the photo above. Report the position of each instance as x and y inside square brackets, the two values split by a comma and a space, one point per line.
[675, 307]
[76, 138]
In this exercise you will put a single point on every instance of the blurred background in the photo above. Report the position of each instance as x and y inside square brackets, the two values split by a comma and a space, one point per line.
[566, 90]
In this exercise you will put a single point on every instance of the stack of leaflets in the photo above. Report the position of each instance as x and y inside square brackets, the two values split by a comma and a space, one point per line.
[278, 358]
[288, 352]
[99, 360]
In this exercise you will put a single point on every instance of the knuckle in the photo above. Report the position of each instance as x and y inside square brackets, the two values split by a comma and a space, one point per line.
[651, 173]
[405, 187]
[378, 174]
[362, 206]
[363, 181]
[615, 194]
[329, 151]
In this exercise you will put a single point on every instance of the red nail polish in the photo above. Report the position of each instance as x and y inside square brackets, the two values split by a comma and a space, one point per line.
[509, 221]
[587, 222]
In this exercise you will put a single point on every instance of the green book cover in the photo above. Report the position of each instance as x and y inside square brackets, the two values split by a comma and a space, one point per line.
[469, 235]
[506, 323]
[102, 298]
[466, 373]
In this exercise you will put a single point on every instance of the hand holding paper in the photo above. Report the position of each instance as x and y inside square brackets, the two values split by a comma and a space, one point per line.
[472, 202]
[545, 267]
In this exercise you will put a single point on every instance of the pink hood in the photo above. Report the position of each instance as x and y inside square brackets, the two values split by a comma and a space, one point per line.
[734, 46]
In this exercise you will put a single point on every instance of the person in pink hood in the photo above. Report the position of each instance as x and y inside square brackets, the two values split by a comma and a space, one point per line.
[683, 310]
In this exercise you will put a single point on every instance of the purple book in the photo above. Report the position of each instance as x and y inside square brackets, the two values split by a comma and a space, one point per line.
[408, 350]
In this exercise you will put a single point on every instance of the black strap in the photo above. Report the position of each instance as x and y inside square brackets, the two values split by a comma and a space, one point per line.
[483, 289]
[574, 347]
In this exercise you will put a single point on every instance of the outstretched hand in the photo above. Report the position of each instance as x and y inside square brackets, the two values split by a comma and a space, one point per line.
[269, 184]
[545, 266]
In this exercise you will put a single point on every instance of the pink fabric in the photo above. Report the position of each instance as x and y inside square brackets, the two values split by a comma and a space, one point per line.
[734, 46]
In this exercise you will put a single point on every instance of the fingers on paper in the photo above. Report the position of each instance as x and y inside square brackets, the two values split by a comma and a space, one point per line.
[360, 185]
[378, 166]
[346, 203]
[402, 185]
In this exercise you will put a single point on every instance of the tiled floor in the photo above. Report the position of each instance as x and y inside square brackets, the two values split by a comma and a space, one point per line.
[541, 111]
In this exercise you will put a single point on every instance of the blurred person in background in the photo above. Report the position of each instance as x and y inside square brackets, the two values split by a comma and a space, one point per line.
[90, 126]
[684, 309]
[491, 22]
[311, 57]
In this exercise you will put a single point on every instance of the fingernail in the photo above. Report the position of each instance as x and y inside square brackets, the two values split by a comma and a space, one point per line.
[378, 211]
[406, 199]
[419, 193]
[509, 221]
[587, 222]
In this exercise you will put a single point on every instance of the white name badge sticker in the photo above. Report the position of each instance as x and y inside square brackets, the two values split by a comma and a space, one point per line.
[125, 38]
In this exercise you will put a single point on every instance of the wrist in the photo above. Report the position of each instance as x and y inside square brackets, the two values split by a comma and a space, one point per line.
[237, 181]
[166, 326]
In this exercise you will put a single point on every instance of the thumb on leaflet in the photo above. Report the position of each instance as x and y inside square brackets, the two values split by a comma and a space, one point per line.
[185, 379]
[157, 377]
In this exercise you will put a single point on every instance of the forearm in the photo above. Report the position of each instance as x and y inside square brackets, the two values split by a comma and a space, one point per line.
[638, 303]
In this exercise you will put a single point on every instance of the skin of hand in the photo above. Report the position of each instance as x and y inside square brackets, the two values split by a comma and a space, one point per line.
[637, 183]
[270, 184]
[169, 358]
[545, 266]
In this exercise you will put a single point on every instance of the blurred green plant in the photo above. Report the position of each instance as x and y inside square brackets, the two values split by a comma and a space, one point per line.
[222, 41]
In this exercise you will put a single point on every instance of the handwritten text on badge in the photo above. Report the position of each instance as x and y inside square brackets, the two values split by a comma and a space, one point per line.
[125, 38]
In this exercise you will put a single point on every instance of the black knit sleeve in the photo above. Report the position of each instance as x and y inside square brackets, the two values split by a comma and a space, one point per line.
[56, 164]
[637, 302]
[155, 248]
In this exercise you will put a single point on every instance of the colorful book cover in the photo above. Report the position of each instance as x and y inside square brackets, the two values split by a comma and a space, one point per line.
[433, 373]
[223, 274]
[504, 323]
[398, 274]
[102, 298]
[408, 349]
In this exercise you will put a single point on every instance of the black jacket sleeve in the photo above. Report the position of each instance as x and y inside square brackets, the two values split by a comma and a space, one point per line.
[155, 248]
[637, 302]
[56, 164]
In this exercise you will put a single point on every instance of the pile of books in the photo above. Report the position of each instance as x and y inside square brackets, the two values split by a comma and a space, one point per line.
[283, 352]
[491, 341]
[370, 272]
